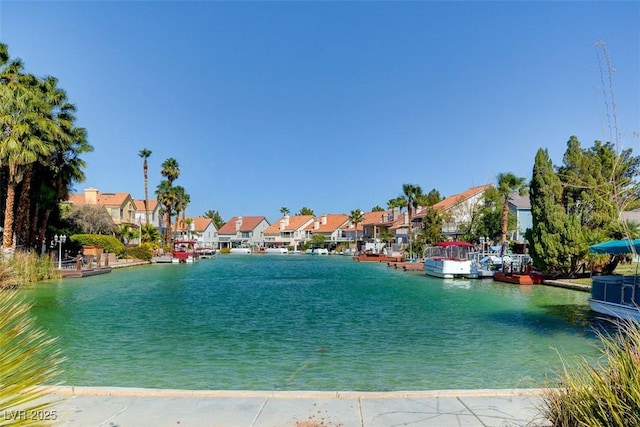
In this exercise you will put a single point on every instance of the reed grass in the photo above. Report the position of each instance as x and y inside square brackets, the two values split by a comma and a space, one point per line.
[605, 393]
[29, 267]
[29, 358]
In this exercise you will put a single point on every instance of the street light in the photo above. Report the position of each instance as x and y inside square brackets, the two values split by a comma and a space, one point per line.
[59, 240]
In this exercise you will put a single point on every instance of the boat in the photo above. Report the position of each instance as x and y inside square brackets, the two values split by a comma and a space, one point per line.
[616, 295]
[206, 253]
[317, 251]
[376, 257]
[448, 260]
[184, 252]
[484, 266]
[277, 251]
[240, 250]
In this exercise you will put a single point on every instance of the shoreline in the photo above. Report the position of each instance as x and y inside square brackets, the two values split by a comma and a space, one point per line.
[285, 394]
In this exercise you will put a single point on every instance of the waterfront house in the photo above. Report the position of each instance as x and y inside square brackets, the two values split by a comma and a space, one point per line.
[243, 231]
[155, 218]
[458, 210]
[120, 206]
[329, 226]
[288, 231]
[201, 229]
[520, 206]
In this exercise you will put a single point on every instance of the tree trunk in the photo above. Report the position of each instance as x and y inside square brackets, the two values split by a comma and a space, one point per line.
[505, 221]
[23, 214]
[7, 235]
[146, 193]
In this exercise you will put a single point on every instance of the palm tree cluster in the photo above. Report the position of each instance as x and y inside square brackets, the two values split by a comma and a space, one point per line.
[40, 152]
[173, 198]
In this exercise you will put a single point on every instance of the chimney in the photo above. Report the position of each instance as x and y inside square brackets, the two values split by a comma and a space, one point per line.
[316, 224]
[286, 220]
[282, 224]
[91, 196]
[324, 219]
[238, 223]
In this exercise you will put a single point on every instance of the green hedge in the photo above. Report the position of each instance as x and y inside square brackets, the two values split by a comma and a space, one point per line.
[143, 252]
[109, 244]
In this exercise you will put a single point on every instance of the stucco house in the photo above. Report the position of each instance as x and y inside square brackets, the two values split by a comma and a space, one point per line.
[287, 231]
[201, 229]
[243, 231]
[120, 206]
[155, 218]
[520, 206]
[329, 226]
[457, 209]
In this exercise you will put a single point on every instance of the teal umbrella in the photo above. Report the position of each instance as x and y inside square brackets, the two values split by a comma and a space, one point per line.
[616, 247]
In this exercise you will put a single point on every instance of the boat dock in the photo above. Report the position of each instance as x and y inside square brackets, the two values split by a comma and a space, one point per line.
[407, 266]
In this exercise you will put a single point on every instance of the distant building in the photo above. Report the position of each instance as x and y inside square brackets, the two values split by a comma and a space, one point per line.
[120, 206]
[287, 231]
[520, 206]
[243, 231]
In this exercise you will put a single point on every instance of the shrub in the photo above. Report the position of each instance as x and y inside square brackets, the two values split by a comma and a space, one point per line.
[606, 394]
[143, 252]
[225, 250]
[109, 244]
[28, 358]
[28, 267]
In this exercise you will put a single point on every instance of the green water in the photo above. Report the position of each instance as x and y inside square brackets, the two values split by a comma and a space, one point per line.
[307, 323]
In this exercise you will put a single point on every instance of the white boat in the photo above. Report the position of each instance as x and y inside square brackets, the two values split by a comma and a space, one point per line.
[317, 251]
[616, 295]
[483, 265]
[206, 253]
[277, 251]
[240, 250]
[448, 260]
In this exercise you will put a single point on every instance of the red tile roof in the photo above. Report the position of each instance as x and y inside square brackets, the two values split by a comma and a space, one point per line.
[140, 205]
[295, 222]
[333, 222]
[249, 223]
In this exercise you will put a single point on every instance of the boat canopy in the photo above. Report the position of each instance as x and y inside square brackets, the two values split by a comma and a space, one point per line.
[616, 247]
[450, 244]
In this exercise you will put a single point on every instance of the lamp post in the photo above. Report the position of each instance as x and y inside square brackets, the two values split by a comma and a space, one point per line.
[59, 240]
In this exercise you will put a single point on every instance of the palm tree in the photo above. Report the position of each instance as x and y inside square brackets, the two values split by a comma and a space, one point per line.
[508, 183]
[284, 211]
[166, 192]
[356, 217]
[411, 193]
[180, 205]
[27, 129]
[145, 153]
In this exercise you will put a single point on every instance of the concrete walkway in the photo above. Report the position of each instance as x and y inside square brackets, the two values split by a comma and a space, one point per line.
[124, 407]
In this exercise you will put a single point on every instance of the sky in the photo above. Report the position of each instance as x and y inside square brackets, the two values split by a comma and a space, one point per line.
[331, 105]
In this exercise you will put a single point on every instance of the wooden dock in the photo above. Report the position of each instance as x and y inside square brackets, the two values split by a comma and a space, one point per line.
[85, 272]
[518, 279]
[407, 266]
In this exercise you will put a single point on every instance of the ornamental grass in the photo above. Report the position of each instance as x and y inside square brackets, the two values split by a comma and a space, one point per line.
[29, 358]
[605, 393]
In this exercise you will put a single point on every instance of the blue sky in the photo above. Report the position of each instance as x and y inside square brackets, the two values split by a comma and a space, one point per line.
[330, 105]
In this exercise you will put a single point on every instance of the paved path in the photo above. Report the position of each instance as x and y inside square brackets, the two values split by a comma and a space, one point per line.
[124, 407]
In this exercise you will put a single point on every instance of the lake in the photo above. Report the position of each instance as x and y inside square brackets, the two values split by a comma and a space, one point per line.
[302, 322]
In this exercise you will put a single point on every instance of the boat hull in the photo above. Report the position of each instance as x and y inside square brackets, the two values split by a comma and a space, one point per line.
[615, 310]
[447, 268]
[517, 279]
[240, 251]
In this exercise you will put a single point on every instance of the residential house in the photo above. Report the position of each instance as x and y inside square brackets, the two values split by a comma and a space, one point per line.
[120, 206]
[287, 231]
[458, 210]
[243, 231]
[329, 226]
[201, 229]
[520, 206]
[155, 218]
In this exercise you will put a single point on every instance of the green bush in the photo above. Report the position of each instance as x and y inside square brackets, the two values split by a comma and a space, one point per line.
[606, 394]
[225, 250]
[109, 244]
[143, 252]
[30, 267]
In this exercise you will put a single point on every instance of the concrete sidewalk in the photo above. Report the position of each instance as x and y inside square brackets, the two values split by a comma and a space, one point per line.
[125, 407]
